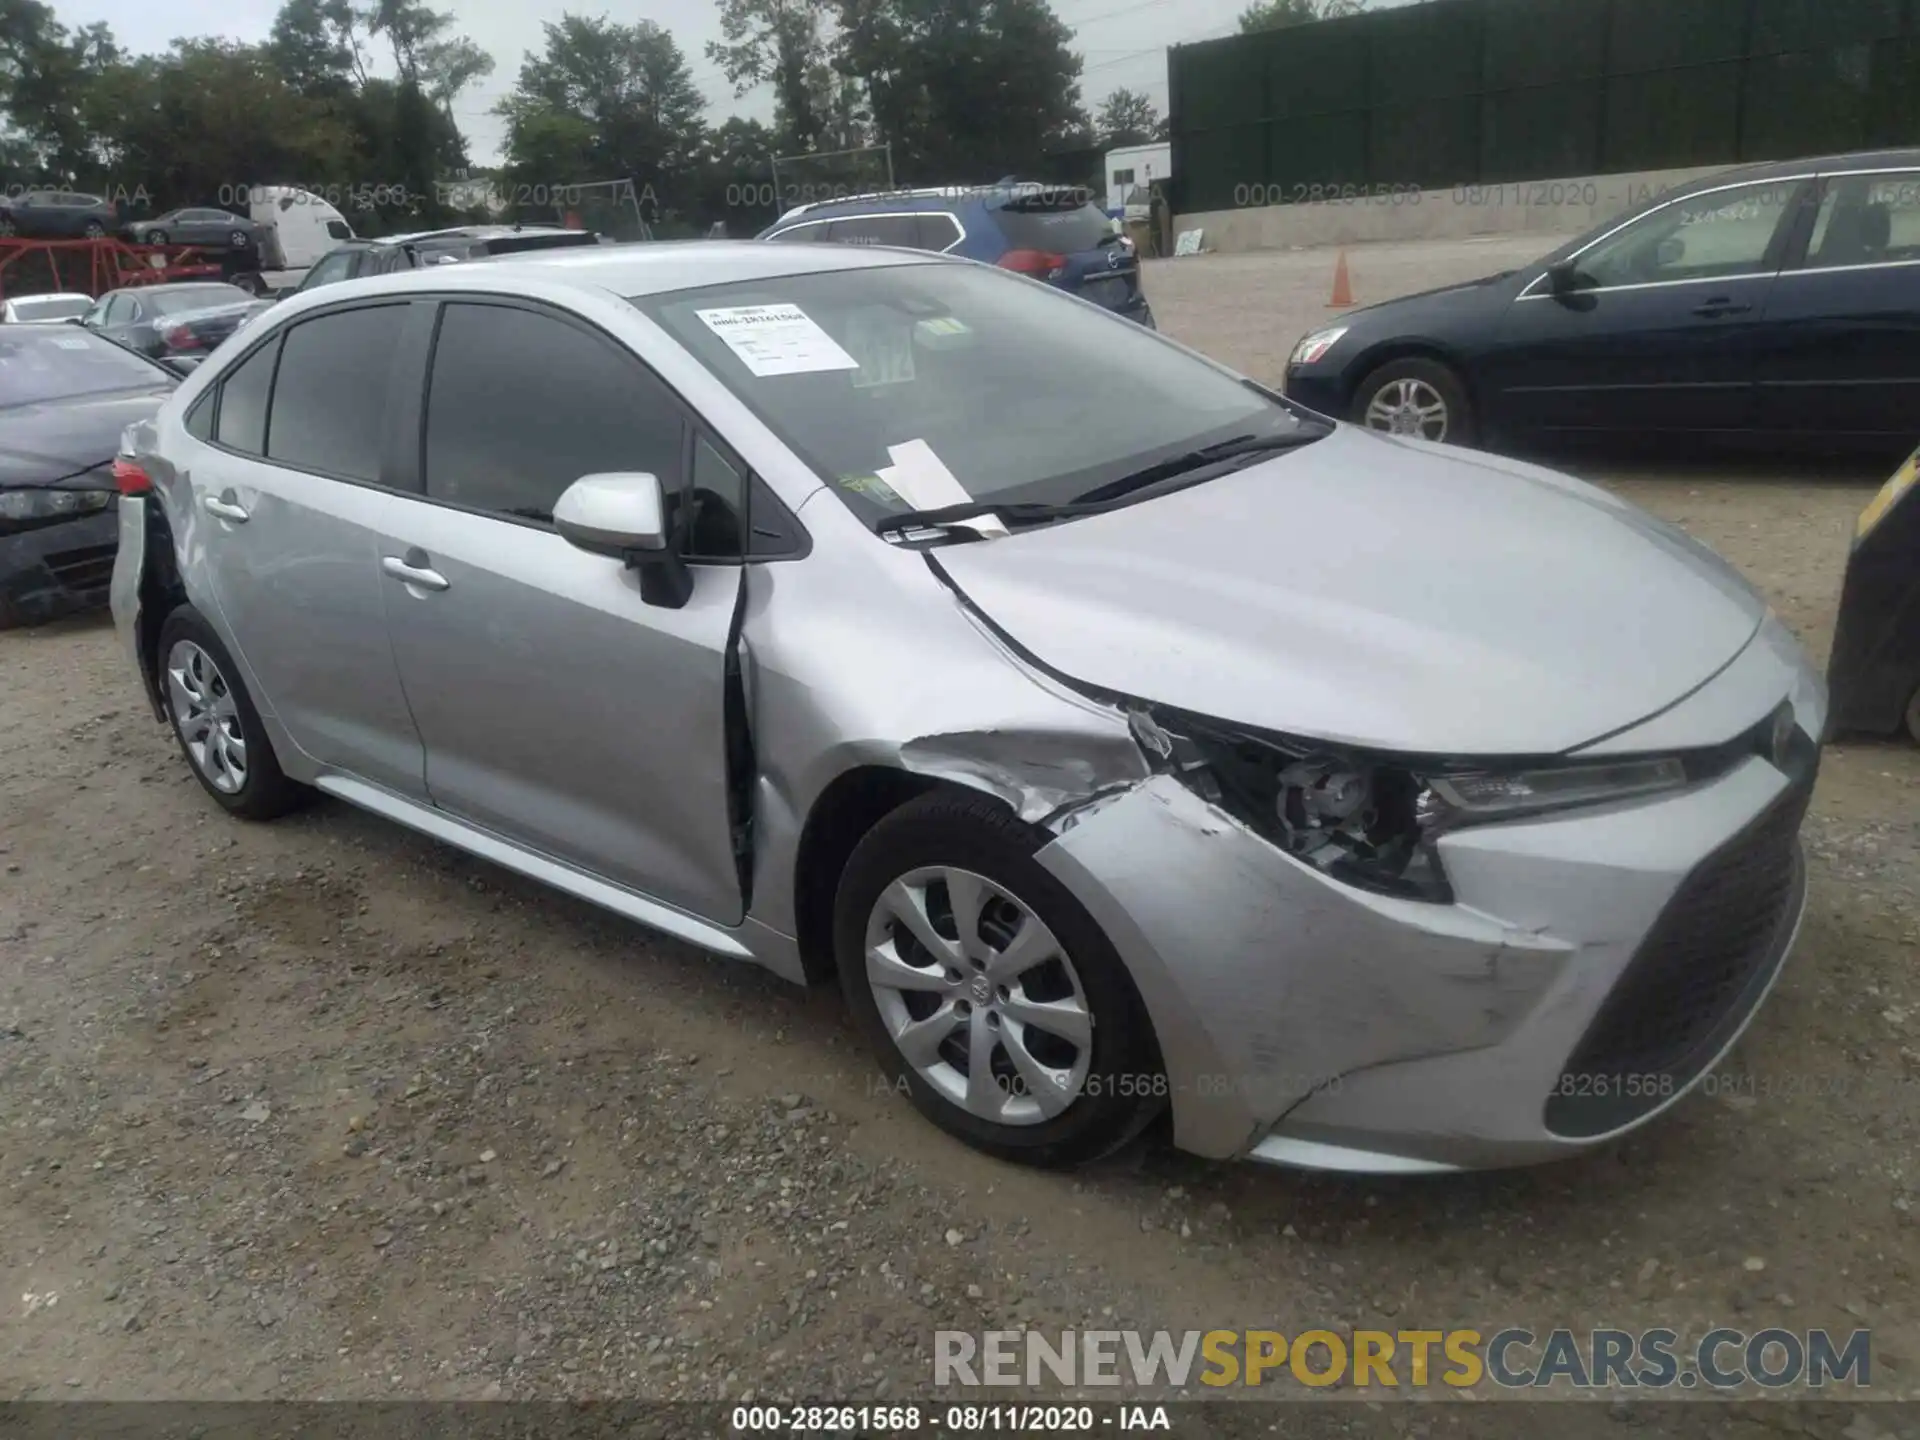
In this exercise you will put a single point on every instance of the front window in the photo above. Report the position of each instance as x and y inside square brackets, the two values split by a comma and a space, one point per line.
[62, 361]
[894, 383]
[1715, 236]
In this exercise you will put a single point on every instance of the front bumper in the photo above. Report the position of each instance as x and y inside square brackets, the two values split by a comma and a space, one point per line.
[57, 569]
[1318, 388]
[1592, 968]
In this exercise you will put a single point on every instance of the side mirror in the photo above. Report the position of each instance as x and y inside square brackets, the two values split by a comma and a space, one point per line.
[1562, 277]
[624, 516]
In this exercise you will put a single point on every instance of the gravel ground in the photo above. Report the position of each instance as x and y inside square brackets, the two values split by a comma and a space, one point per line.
[324, 1110]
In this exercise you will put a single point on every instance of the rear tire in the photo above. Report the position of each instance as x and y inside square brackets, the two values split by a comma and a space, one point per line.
[215, 721]
[238, 240]
[1417, 397]
[1018, 973]
[95, 230]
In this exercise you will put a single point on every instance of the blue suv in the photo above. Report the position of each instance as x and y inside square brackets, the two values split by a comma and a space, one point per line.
[1050, 232]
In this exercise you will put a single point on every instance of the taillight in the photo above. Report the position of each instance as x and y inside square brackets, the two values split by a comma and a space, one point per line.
[181, 338]
[129, 478]
[1041, 264]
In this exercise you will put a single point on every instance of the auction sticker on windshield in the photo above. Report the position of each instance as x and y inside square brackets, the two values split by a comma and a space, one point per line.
[777, 339]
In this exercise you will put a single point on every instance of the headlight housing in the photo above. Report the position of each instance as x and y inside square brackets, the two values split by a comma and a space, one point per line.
[1374, 821]
[1312, 347]
[48, 504]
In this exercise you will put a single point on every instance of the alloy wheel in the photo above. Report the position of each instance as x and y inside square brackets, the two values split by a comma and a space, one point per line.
[207, 716]
[978, 995]
[1409, 407]
[95, 230]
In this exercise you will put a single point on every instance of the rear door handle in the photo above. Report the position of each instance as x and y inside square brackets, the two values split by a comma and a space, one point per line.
[415, 569]
[227, 506]
[1722, 307]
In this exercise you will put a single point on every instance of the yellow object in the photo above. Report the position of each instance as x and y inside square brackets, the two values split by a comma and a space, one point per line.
[1903, 480]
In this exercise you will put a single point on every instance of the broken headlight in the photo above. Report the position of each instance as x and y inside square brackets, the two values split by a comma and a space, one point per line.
[1374, 821]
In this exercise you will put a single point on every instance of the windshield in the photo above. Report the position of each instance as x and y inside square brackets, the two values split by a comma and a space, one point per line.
[51, 307]
[65, 360]
[913, 386]
[197, 297]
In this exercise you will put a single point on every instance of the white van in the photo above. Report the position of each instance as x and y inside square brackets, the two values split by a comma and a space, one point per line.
[297, 227]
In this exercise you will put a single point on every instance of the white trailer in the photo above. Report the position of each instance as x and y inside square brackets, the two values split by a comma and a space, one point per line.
[297, 227]
[1131, 171]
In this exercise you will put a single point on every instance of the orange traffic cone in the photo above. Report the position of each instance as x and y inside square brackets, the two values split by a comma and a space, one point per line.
[1342, 285]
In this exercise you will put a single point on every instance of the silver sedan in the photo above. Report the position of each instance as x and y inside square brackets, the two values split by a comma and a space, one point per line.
[1129, 742]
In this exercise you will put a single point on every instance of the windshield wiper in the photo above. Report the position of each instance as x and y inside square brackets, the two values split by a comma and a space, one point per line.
[1204, 457]
[1011, 513]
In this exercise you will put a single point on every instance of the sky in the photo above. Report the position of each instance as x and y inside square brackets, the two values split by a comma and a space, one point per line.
[1121, 42]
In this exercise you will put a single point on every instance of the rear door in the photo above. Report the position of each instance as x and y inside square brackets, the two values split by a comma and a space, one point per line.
[288, 502]
[1658, 333]
[1063, 238]
[1840, 351]
[558, 708]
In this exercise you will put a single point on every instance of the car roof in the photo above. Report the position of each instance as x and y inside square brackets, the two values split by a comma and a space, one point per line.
[1810, 165]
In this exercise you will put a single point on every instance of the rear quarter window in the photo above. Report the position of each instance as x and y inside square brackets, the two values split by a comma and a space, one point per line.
[1062, 231]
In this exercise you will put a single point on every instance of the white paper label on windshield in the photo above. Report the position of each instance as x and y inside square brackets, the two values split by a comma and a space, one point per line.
[777, 339]
[921, 478]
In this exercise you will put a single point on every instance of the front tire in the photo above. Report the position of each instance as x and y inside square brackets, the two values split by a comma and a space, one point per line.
[986, 990]
[1421, 398]
[156, 237]
[95, 230]
[1913, 717]
[215, 721]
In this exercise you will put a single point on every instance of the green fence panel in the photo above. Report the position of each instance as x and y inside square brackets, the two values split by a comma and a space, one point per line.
[1544, 133]
[1312, 154]
[1222, 164]
[1431, 144]
[1894, 112]
[1543, 42]
[1814, 103]
[1662, 34]
[1425, 52]
[1315, 69]
[1221, 83]
[1673, 118]
[1791, 26]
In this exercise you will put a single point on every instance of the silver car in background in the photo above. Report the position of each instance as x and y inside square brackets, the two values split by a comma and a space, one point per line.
[1126, 740]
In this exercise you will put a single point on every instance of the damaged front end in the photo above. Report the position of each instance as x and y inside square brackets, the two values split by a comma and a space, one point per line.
[57, 545]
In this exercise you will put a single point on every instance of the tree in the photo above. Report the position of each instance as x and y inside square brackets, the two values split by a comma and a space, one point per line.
[316, 45]
[46, 73]
[602, 101]
[962, 89]
[1126, 117]
[781, 41]
[1280, 14]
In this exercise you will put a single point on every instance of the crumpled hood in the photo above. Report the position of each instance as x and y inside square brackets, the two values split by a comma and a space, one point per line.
[1377, 592]
[54, 440]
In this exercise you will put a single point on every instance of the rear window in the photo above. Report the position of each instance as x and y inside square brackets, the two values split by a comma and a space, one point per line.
[200, 297]
[512, 244]
[1061, 228]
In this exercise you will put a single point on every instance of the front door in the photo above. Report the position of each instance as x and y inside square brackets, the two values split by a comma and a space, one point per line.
[287, 509]
[1656, 331]
[558, 708]
[1841, 353]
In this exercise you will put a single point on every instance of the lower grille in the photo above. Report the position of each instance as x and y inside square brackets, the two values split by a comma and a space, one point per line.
[88, 568]
[1697, 975]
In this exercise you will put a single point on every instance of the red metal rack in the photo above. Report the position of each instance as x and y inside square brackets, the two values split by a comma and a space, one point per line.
[97, 266]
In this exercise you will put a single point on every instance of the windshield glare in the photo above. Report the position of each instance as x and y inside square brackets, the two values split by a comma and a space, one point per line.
[202, 297]
[1017, 391]
[51, 308]
[65, 360]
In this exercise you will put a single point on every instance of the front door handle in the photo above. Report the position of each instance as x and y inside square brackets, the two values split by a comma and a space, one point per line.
[415, 569]
[1721, 308]
[227, 506]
